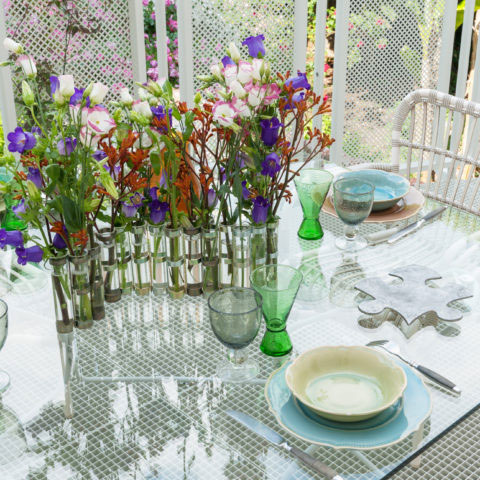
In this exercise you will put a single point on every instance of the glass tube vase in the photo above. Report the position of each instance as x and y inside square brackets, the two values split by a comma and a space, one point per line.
[158, 258]
[226, 255]
[241, 255]
[124, 260]
[193, 260]
[111, 278]
[175, 262]
[272, 242]
[258, 246]
[97, 291]
[210, 263]
[80, 281]
[62, 294]
[141, 259]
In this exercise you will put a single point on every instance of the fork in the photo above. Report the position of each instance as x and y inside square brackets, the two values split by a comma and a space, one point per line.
[393, 349]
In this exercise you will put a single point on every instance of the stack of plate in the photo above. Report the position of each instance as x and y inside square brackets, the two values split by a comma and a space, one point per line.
[348, 397]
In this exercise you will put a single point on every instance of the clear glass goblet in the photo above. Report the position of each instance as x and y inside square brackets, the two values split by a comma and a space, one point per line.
[4, 377]
[235, 317]
[353, 201]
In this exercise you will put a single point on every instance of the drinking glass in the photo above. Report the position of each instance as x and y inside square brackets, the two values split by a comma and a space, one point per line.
[353, 200]
[4, 377]
[312, 187]
[278, 285]
[235, 316]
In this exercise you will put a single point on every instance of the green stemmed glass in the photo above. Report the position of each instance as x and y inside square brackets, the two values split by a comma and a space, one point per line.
[312, 187]
[278, 285]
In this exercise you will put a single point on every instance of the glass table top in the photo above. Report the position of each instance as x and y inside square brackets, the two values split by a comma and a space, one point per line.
[146, 402]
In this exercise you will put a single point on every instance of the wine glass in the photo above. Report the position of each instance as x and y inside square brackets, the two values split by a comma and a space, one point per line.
[312, 187]
[4, 377]
[278, 285]
[353, 200]
[235, 317]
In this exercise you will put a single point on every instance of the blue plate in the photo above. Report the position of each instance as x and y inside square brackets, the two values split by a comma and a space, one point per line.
[390, 188]
[387, 428]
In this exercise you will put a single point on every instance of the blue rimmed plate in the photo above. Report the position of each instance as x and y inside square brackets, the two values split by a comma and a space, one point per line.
[388, 428]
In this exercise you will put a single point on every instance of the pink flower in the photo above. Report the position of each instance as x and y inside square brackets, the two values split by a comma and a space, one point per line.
[360, 43]
[326, 67]
[381, 46]
[96, 122]
[350, 25]
[270, 93]
[241, 107]
[145, 3]
[379, 21]
[224, 113]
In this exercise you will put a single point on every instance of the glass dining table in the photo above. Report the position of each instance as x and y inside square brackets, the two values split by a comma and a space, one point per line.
[145, 400]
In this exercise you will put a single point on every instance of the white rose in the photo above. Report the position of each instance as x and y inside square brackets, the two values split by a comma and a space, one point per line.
[144, 141]
[230, 73]
[142, 108]
[66, 86]
[233, 52]
[97, 122]
[245, 71]
[238, 90]
[257, 68]
[223, 113]
[99, 90]
[254, 97]
[28, 65]
[12, 46]
[216, 71]
[143, 94]
[125, 97]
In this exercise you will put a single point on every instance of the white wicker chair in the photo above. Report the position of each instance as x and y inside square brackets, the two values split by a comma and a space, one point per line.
[436, 144]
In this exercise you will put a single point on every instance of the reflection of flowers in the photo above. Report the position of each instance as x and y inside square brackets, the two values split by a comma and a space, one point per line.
[260, 209]
[31, 254]
[35, 176]
[158, 211]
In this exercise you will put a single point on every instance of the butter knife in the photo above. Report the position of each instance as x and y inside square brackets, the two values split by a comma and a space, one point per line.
[415, 225]
[273, 437]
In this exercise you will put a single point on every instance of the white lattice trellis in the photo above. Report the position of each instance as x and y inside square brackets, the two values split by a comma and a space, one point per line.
[102, 56]
[383, 50]
[206, 27]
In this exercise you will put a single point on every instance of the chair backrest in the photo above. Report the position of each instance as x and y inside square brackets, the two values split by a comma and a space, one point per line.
[439, 158]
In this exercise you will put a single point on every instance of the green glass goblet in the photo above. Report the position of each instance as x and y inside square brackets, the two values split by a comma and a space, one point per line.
[278, 285]
[235, 317]
[312, 187]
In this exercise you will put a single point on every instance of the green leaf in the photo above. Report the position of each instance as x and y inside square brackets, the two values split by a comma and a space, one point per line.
[155, 161]
[54, 171]
[72, 214]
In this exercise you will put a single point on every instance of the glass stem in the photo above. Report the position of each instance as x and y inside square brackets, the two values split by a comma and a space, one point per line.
[236, 356]
[351, 232]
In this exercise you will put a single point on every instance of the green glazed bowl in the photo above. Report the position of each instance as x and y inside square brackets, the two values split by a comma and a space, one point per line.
[346, 384]
[390, 188]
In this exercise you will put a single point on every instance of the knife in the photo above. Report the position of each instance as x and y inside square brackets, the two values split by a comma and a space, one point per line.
[415, 225]
[273, 437]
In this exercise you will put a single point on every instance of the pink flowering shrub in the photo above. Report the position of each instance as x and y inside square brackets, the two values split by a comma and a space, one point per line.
[151, 40]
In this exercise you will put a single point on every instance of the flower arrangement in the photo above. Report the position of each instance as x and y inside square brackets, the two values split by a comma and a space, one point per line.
[81, 170]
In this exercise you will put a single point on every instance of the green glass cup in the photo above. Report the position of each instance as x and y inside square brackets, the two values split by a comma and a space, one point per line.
[10, 221]
[312, 187]
[278, 285]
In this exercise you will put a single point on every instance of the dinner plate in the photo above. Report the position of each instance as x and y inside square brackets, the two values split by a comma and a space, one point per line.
[407, 207]
[388, 428]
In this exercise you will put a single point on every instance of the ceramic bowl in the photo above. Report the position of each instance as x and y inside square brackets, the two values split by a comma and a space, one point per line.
[346, 384]
[390, 188]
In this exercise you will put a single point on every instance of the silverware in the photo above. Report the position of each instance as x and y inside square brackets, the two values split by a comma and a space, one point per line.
[273, 437]
[416, 225]
[393, 349]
